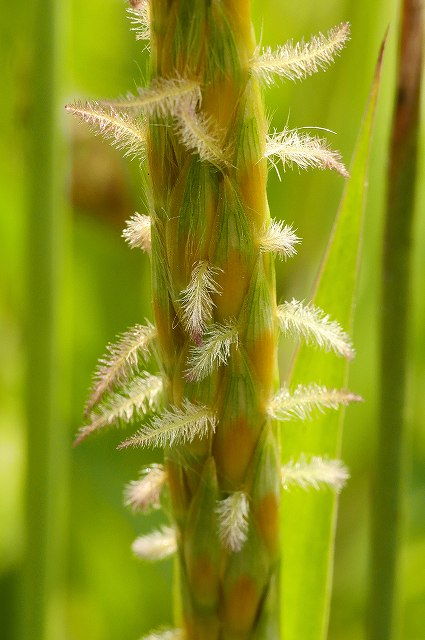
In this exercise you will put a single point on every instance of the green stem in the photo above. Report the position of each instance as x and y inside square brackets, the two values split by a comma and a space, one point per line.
[387, 504]
[46, 452]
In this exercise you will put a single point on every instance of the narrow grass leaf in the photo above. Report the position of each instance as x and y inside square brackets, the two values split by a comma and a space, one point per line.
[308, 518]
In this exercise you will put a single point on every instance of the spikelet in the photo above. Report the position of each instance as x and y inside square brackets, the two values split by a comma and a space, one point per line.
[164, 634]
[137, 233]
[196, 299]
[201, 135]
[121, 361]
[314, 473]
[233, 520]
[123, 131]
[279, 238]
[174, 426]
[156, 545]
[291, 147]
[301, 403]
[213, 352]
[315, 326]
[139, 14]
[302, 59]
[145, 493]
[140, 395]
[163, 97]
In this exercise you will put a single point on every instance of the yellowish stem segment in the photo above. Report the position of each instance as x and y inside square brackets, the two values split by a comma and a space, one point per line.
[209, 204]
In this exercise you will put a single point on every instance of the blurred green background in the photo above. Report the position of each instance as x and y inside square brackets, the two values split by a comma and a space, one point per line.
[102, 288]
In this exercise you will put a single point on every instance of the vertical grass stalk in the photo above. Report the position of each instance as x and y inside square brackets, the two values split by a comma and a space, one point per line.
[46, 450]
[200, 131]
[389, 483]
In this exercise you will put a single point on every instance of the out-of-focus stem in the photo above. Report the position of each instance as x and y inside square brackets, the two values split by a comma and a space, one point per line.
[46, 449]
[387, 503]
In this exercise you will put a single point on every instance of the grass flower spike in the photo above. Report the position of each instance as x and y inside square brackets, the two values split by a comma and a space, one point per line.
[200, 131]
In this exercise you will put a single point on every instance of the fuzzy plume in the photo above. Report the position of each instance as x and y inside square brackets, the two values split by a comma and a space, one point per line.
[196, 299]
[145, 493]
[301, 403]
[140, 395]
[201, 135]
[302, 59]
[139, 14]
[121, 361]
[164, 634]
[213, 352]
[156, 545]
[292, 147]
[174, 427]
[233, 520]
[124, 132]
[314, 473]
[279, 238]
[163, 97]
[137, 233]
[315, 326]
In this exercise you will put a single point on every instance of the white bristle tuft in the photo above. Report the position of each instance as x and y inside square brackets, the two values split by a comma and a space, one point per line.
[213, 352]
[156, 545]
[315, 327]
[301, 403]
[174, 427]
[279, 238]
[306, 151]
[295, 62]
[145, 493]
[314, 473]
[139, 14]
[137, 233]
[233, 520]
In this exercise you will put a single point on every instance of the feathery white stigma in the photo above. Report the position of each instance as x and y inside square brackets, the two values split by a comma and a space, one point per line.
[121, 361]
[125, 132]
[233, 520]
[140, 395]
[213, 352]
[139, 14]
[314, 473]
[291, 147]
[174, 426]
[200, 135]
[279, 238]
[315, 326]
[137, 233]
[156, 545]
[302, 59]
[196, 298]
[164, 96]
[145, 493]
[164, 634]
[301, 403]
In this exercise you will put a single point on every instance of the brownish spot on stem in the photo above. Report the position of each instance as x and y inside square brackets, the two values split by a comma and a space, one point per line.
[233, 448]
[241, 604]
[267, 520]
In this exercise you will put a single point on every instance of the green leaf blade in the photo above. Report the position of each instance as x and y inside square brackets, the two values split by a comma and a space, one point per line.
[308, 518]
